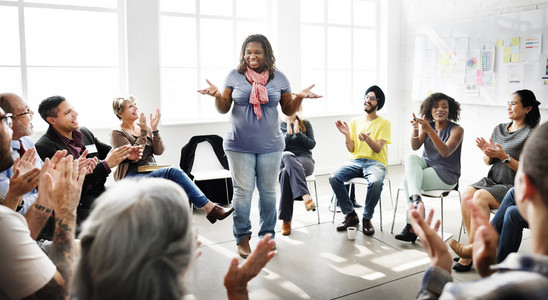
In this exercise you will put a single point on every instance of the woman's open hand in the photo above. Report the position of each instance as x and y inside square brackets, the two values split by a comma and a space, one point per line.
[307, 93]
[212, 90]
[155, 120]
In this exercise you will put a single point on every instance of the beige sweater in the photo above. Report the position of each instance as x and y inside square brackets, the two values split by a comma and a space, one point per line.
[120, 137]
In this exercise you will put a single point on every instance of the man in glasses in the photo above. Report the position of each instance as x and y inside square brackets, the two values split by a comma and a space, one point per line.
[26, 269]
[365, 138]
[23, 185]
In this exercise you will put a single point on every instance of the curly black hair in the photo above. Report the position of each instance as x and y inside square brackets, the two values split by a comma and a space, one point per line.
[428, 103]
[269, 58]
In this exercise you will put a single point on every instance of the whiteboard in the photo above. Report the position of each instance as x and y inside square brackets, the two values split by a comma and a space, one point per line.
[475, 61]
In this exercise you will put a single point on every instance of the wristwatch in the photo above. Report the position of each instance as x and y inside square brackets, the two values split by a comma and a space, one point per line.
[507, 160]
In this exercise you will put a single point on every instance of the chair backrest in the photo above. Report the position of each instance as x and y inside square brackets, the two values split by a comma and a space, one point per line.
[205, 159]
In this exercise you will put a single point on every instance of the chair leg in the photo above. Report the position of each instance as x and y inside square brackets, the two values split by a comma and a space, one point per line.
[395, 209]
[441, 218]
[390, 189]
[334, 207]
[226, 188]
[461, 221]
[380, 211]
[317, 201]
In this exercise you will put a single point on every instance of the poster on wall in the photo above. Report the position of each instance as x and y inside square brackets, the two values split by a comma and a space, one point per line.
[474, 73]
[543, 82]
[530, 47]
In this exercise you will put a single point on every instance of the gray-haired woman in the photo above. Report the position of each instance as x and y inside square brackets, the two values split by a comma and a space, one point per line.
[138, 242]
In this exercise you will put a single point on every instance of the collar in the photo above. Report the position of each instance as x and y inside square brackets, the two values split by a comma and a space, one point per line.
[524, 262]
[15, 144]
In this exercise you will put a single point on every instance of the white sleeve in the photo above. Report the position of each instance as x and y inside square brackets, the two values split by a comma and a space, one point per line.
[25, 267]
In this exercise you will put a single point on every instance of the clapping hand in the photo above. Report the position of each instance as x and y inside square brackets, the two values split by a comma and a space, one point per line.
[296, 126]
[212, 90]
[25, 174]
[154, 120]
[486, 241]
[118, 155]
[88, 164]
[342, 127]
[289, 129]
[491, 149]
[135, 153]
[430, 240]
[237, 277]
[425, 126]
[143, 122]
[363, 136]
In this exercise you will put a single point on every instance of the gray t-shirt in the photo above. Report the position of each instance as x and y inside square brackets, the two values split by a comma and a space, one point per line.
[447, 168]
[246, 133]
[512, 143]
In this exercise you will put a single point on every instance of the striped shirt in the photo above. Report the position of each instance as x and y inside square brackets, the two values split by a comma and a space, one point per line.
[512, 143]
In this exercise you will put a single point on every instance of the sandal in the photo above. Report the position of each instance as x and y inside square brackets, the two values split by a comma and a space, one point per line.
[310, 205]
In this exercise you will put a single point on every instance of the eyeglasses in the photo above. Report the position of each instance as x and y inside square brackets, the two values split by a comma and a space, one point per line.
[26, 112]
[371, 98]
[6, 119]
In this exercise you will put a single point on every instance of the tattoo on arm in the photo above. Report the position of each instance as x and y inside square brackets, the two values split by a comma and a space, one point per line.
[62, 255]
[42, 208]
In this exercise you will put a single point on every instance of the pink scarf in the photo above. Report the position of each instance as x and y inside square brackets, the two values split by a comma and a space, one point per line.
[259, 95]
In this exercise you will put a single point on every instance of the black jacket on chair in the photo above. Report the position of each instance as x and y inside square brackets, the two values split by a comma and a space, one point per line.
[215, 190]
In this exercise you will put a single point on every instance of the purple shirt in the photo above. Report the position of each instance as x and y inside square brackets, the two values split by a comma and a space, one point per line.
[246, 133]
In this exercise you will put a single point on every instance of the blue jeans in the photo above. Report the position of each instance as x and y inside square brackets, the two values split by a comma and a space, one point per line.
[246, 169]
[509, 224]
[373, 171]
[179, 177]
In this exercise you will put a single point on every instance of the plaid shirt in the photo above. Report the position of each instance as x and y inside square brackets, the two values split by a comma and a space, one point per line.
[76, 146]
[519, 276]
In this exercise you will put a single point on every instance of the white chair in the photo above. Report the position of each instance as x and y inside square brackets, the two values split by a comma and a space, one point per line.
[312, 179]
[207, 167]
[362, 181]
[440, 194]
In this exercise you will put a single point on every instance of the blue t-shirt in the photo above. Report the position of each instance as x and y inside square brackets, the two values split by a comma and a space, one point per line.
[246, 133]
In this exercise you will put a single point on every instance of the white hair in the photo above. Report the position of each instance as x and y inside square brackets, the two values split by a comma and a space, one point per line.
[136, 243]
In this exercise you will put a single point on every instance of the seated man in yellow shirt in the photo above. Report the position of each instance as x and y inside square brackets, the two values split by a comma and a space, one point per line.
[366, 138]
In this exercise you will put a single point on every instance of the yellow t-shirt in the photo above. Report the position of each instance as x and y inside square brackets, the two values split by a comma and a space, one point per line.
[380, 130]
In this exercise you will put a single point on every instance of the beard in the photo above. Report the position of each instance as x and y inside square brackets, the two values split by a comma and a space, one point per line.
[370, 109]
[6, 161]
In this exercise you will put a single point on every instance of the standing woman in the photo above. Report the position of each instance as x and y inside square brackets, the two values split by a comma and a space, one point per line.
[297, 163]
[439, 166]
[502, 152]
[254, 142]
[134, 131]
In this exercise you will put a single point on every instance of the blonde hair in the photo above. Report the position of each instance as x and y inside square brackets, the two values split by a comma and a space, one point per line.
[118, 104]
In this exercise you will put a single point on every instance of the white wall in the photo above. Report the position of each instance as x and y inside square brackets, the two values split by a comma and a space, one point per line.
[477, 120]
[398, 22]
[330, 151]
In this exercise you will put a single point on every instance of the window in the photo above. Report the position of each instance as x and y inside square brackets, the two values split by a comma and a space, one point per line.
[199, 40]
[339, 52]
[63, 48]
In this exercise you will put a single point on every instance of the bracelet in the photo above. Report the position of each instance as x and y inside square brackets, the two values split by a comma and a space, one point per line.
[156, 131]
[415, 137]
